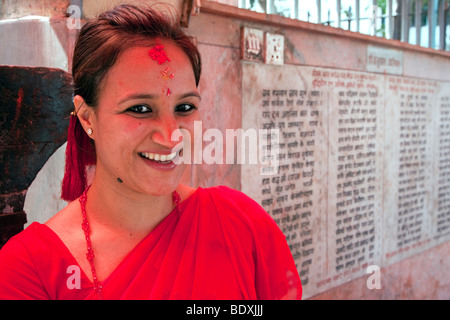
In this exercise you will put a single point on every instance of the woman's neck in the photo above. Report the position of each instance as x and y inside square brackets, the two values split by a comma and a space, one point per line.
[124, 211]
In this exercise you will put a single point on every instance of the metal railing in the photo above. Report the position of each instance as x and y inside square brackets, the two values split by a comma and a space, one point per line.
[420, 22]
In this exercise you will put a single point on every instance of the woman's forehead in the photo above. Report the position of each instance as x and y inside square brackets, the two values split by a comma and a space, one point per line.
[159, 53]
[150, 67]
[147, 59]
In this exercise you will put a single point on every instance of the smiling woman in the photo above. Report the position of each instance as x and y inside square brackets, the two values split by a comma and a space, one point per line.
[135, 232]
[134, 119]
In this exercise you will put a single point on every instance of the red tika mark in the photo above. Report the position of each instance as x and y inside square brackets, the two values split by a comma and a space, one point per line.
[158, 54]
[166, 75]
[169, 92]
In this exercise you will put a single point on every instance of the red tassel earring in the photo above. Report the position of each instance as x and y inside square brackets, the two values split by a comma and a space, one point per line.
[80, 153]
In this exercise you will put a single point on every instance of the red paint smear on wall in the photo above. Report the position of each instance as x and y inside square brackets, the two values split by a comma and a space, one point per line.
[18, 105]
[19, 102]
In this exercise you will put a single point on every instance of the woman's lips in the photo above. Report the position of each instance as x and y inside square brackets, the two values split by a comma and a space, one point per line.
[158, 157]
[162, 161]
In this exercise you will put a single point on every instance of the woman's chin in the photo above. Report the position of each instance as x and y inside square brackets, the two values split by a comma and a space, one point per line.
[157, 187]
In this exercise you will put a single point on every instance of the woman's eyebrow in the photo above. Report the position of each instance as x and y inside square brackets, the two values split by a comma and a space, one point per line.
[148, 96]
[134, 96]
[190, 94]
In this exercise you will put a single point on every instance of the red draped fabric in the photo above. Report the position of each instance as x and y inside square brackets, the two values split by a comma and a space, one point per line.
[222, 246]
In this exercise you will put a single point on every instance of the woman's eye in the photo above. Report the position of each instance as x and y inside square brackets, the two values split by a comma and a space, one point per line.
[141, 108]
[185, 108]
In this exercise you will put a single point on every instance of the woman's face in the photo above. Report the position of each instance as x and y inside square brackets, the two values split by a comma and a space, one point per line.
[144, 99]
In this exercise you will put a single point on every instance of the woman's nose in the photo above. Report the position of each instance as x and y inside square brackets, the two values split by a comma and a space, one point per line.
[164, 132]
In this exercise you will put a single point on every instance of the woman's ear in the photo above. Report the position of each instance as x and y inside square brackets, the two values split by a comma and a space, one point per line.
[85, 115]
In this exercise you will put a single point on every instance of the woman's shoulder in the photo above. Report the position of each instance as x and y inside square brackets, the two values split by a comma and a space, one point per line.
[30, 263]
[237, 205]
[229, 197]
[36, 241]
[22, 260]
[228, 194]
[29, 246]
[26, 241]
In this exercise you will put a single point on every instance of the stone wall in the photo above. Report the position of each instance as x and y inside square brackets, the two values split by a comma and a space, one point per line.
[359, 180]
[13, 9]
[35, 104]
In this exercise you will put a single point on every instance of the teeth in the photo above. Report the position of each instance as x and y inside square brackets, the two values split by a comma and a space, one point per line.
[159, 157]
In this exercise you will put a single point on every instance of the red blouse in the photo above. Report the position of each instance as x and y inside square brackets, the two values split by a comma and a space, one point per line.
[222, 246]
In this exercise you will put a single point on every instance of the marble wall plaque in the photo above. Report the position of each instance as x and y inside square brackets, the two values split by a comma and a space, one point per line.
[441, 212]
[294, 196]
[382, 60]
[355, 146]
[408, 159]
[364, 166]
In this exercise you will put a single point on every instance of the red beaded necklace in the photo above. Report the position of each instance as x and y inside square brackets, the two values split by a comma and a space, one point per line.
[90, 252]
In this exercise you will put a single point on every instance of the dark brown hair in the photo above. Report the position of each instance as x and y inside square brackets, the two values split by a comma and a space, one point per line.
[102, 40]
[97, 48]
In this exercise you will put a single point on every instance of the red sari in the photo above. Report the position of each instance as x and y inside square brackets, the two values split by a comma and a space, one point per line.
[222, 246]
